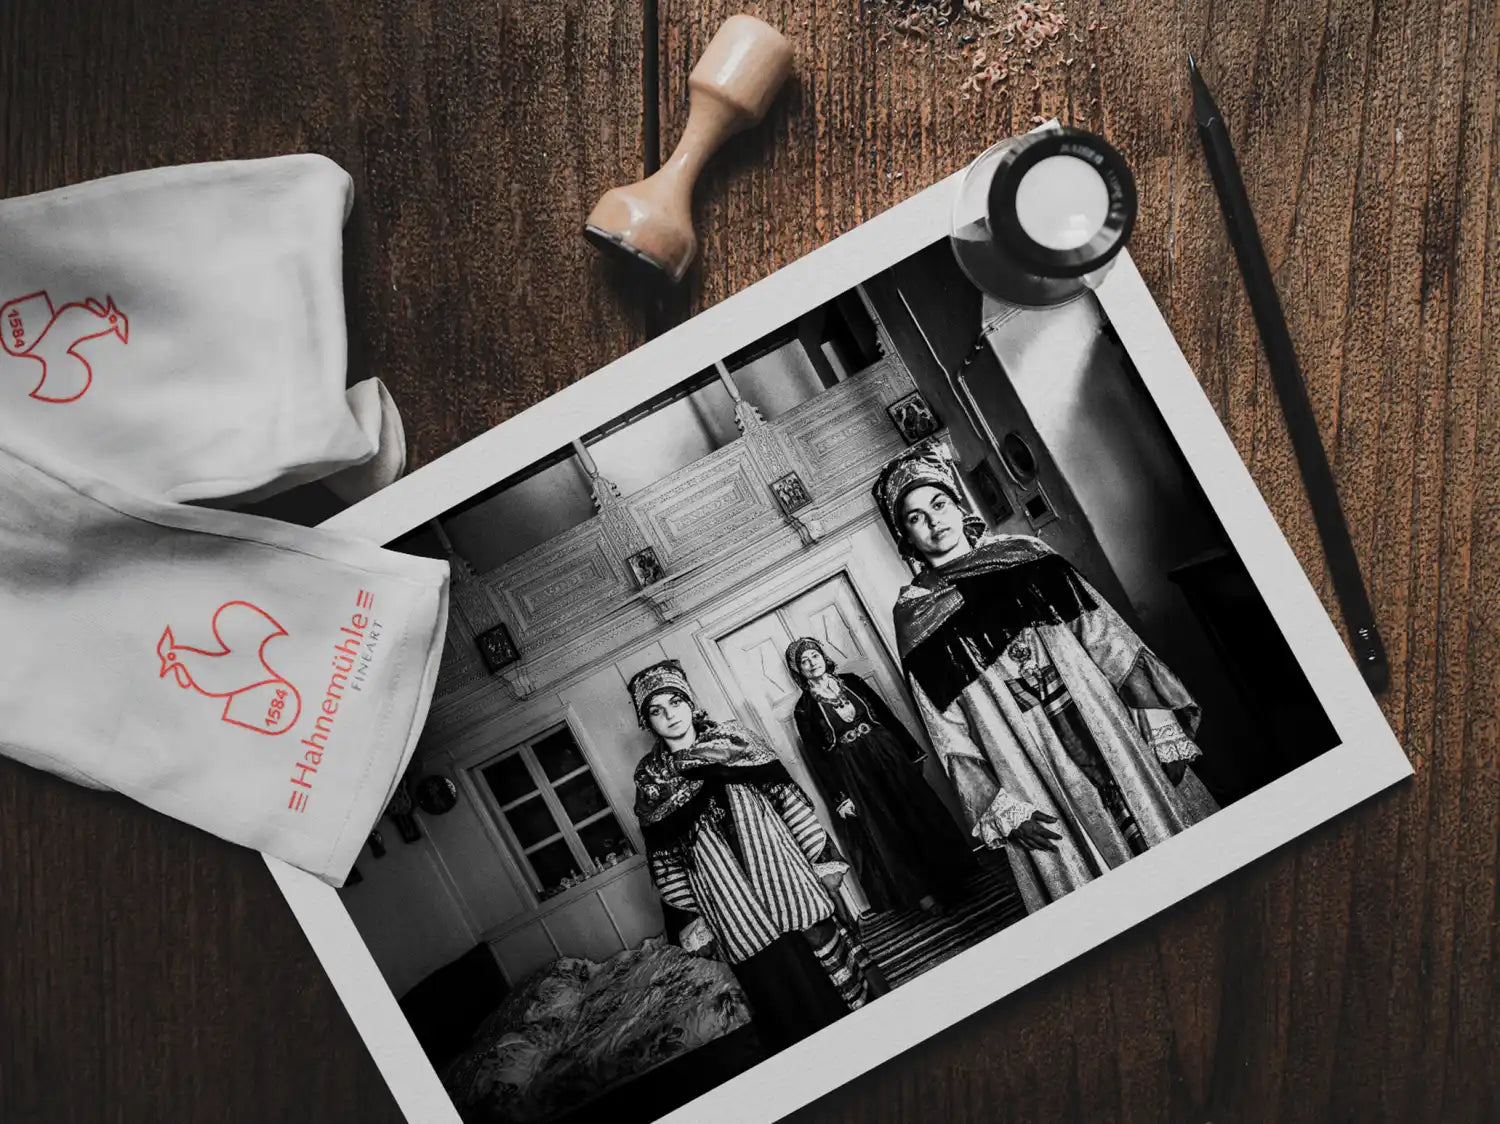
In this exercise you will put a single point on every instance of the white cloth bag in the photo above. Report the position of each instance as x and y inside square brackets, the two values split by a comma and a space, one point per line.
[262, 681]
[182, 331]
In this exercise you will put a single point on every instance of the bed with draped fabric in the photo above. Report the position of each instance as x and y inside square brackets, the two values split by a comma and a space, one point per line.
[577, 1037]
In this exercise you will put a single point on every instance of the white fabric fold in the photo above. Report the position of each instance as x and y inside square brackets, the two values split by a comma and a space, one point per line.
[185, 326]
[176, 336]
[263, 681]
[375, 411]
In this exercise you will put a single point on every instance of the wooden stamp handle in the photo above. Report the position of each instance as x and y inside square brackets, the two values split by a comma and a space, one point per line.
[744, 66]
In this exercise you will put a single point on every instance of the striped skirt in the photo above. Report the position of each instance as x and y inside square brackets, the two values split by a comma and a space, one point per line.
[768, 888]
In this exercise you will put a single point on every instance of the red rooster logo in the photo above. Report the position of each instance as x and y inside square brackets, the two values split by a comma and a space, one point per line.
[255, 697]
[30, 328]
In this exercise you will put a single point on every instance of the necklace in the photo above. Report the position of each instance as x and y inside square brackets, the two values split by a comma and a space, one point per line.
[828, 688]
[831, 691]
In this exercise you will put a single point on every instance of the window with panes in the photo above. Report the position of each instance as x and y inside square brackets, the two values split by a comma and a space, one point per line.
[554, 811]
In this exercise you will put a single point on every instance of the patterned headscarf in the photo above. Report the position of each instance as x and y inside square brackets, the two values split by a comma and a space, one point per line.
[803, 644]
[652, 681]
[931, 464]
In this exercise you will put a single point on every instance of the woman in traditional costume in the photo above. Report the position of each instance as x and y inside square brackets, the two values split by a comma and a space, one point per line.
[742, 864]
[903, 843]
[1067, 740]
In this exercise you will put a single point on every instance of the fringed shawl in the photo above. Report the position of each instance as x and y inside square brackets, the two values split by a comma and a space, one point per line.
[953, 622]
[672, 789]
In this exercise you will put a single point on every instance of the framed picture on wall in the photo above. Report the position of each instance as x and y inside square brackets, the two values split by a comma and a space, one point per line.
[497, 647]
[646, 568]
[914, 418]
[791, 494]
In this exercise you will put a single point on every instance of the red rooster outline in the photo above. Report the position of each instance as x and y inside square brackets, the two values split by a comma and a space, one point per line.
[167, 650]
[113, 322]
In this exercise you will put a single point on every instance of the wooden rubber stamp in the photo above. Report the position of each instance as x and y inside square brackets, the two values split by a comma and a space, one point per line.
[731, 88]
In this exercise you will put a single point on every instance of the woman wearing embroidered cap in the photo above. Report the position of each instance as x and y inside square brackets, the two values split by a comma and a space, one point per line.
[737, 856]
[1067, 740]
[902, 842]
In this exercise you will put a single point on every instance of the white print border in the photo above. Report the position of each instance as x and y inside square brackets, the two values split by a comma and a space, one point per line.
[1367, 760]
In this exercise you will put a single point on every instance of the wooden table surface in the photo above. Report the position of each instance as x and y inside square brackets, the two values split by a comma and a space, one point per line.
[149, 972]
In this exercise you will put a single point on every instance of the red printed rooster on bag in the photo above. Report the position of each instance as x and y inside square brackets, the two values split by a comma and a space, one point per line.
[255, 697]
[30, 328]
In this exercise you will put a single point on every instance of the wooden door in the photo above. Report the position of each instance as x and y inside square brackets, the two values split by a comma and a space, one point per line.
[755, 653]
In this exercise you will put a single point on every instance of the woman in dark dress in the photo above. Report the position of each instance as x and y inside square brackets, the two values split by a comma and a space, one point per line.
[742, 864]
[905, 847]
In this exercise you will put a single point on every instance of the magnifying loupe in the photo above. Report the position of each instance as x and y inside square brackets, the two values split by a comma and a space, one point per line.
[1039, 218]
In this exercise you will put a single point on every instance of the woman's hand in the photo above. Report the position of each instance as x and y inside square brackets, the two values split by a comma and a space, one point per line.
[1034, 835]
[1175, 771]
[845, 808]
[698, 939]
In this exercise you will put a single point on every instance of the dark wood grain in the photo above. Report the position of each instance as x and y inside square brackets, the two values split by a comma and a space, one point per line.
[150, 972]
[477, 135]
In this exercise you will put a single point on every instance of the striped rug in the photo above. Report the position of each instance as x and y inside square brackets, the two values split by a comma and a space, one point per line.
[906, 943]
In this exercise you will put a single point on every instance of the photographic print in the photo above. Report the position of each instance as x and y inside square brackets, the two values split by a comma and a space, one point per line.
[815, 798]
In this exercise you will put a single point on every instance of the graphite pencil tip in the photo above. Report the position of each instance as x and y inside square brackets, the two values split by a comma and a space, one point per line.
[1204, 109]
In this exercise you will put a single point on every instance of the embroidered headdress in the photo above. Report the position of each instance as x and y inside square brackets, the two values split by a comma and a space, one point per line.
[651, 681]
[930, 464]
[798, 647]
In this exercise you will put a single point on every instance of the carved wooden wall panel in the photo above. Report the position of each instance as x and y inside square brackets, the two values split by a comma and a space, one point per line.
[842, 436]
[569, 578]
[708, 507]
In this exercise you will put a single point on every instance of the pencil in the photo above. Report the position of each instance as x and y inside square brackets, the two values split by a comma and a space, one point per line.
[1317, 477]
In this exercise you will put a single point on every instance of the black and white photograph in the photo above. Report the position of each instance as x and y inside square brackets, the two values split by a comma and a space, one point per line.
[885, 688]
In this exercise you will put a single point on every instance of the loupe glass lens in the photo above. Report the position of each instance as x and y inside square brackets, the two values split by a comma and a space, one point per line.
[1039, 218]
[1062, 203]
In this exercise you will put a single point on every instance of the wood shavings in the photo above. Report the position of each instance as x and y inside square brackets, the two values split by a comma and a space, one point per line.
[1032, 25]
[998, 39]
[949, 22]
